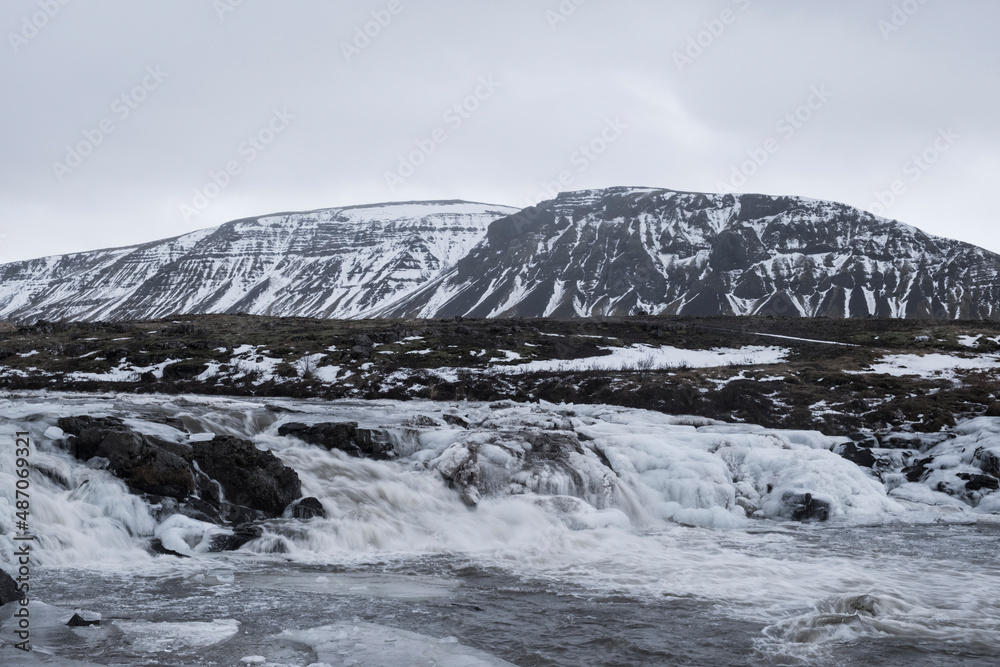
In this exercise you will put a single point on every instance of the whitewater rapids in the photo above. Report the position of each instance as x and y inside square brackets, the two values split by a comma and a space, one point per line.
[646, 520]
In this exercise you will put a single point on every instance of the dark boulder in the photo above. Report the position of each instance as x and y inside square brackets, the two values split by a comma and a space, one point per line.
[988, 461]
[918, 470]
[345, 436]
[250, 477]
[9, 591]
[362, 340]
[184, 370]
[242, 534]
[83, 619]
[331, 435]
[866, 440]
[374, 443]
[979, 482]
[89, 433]
[147, 464]
[805, 507]
[305, 508]
[857, 455]
[254, 484]
[455, 420]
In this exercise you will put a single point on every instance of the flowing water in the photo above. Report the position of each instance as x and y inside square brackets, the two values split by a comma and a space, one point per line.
[673, 565]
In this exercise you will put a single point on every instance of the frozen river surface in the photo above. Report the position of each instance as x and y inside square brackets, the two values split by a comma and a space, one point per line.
[659, 541]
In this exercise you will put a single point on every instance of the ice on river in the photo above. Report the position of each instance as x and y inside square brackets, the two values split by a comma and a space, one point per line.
[607, 500]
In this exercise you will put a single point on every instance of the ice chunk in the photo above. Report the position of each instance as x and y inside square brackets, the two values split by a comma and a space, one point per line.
[374, 645]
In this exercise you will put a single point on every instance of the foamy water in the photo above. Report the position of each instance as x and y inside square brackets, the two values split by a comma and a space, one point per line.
[553, 565]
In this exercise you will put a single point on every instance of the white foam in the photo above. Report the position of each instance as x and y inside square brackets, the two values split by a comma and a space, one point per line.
[571, 520]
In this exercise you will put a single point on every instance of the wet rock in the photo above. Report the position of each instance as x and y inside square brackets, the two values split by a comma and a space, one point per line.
[866, 440]
[867, 604]
[9, 591]
[250, 477]
[455, 420]
[857, 455]
[370, 443]
[147, 464]
[89, 432]
[918, 470]
[242, 534]
[979, 482]
[920, 441]
[542, 462]
[374, 443]
[423, 421]
[805, 506]
[305, 508]
[98, 463]
[83, 619]
[331, 435]
[988, 461]
[56, 471]
[208, 507]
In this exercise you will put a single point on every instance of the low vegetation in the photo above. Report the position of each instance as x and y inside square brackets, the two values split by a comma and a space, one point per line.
[820, 385]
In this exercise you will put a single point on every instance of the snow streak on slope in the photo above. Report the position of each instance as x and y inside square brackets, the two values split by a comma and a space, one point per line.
[337, 263]
[626, 251]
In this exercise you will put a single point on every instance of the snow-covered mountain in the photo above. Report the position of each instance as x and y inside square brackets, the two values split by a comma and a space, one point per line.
[618, 251]
[628, 251]
[331, 263]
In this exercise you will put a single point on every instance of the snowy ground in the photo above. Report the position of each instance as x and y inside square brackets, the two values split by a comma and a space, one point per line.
[648, 357]
[933, 365]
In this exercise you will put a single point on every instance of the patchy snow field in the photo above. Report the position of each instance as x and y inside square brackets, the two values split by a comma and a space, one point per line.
[932, 366]
[648, 357]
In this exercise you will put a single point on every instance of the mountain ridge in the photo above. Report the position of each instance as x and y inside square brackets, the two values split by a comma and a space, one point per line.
[676, 253]
[614, 251]
[351, 256]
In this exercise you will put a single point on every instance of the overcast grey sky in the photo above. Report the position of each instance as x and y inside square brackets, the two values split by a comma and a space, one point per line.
[128, 121]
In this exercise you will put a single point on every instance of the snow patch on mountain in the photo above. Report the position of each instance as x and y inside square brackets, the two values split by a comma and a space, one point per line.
[331, 263]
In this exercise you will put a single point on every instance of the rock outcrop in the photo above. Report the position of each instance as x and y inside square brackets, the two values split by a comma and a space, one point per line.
[254, 484]
[249, 476]
[9, 591]
[365, 443]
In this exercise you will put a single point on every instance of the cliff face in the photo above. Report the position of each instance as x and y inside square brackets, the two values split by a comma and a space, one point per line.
[629, 251]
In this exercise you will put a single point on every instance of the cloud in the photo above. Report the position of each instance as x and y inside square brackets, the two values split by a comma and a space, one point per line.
[355, 117]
